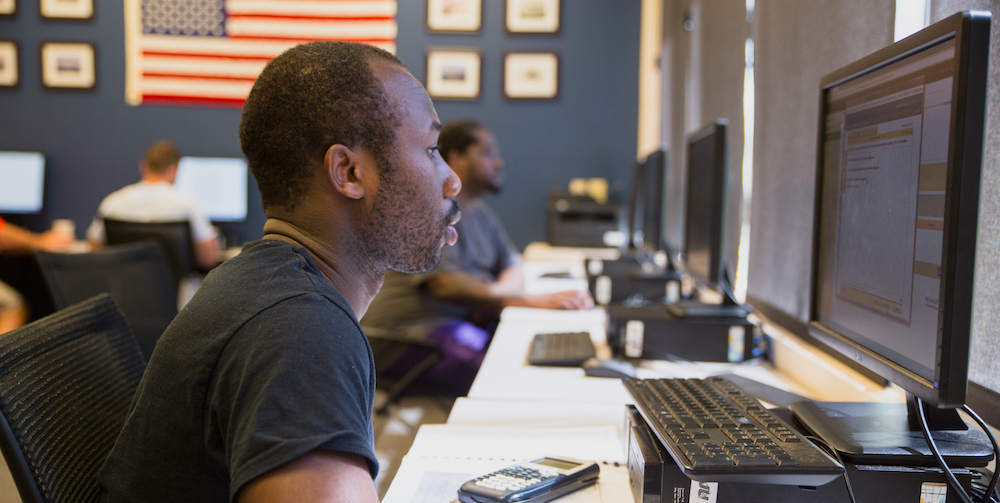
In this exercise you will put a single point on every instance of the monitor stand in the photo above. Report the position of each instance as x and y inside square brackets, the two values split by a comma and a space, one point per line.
[889, 433]
[694, 308]
[635, 264]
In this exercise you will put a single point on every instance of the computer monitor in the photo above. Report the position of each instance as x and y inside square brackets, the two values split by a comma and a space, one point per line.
[219, 184]
[22, 182]
[898, 174]
[654, 174]
[707, 178]
[634, 208]
[705, 225]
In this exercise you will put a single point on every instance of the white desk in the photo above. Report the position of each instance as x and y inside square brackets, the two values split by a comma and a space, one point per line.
[516, 411]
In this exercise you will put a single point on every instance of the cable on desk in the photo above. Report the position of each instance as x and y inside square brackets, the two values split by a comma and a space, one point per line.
[950, 477]
[830, 450]
[988, 493]
[979, 489]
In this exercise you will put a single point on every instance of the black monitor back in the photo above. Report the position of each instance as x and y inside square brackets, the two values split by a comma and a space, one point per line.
[706, 203]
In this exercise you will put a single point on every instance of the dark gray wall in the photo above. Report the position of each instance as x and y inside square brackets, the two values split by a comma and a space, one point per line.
[93, 140]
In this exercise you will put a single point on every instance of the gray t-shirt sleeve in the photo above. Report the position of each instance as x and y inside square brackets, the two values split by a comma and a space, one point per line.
[507, 254]
[311, 387]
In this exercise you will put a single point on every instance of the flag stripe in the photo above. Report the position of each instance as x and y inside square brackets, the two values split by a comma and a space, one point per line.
[303, 17]
[154, 99]
[229, 67]
[296, 28]
[376, 8]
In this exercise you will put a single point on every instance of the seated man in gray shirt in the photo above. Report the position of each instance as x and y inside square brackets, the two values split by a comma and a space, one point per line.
[458, 303]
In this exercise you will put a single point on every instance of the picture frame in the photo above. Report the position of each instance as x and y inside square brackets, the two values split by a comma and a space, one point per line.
[454, 16]
[8, 8]
[531, 75]
[8, 64]
[69, 65]
[66, 9]
[454, 73]
[533, 16]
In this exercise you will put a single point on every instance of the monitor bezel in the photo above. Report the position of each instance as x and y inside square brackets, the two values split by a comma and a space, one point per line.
[654, 178]
[718, 129]
[970, 31]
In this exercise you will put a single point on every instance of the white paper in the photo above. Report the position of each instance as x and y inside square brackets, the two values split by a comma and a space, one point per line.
[486, 442]
[436, 480]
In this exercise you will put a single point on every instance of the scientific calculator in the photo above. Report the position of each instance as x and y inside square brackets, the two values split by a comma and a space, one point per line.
[534, 482]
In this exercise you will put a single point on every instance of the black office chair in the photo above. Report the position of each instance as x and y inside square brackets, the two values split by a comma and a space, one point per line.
[66, 382]
[136, 275]
[174, 237]
[399, 362]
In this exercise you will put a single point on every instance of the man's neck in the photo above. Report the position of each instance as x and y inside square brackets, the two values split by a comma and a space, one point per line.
[157, 179]
[343, 267]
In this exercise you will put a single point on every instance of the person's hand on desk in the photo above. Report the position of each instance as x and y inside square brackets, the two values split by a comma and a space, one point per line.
[55, 241]
[574, 300]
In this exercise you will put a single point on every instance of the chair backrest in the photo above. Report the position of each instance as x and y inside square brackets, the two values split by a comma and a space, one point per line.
[66, 383]
[399, 362]
[136, 275]
[174, 237]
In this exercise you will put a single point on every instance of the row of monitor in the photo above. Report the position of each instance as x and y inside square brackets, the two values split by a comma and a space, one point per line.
[219, 184]
[703, 250]
[899, 155]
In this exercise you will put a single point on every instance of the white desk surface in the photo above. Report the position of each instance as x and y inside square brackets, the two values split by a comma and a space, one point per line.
[506, 374]
[516, 411]
[535, 414]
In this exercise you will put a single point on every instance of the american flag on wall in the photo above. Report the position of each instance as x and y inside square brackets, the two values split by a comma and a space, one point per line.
[209, 52]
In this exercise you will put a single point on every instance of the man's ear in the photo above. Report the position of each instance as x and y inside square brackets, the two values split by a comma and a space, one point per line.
[344, 172]
[143, 168]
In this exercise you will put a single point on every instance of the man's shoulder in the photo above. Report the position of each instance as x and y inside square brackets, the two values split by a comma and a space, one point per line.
[265, 273]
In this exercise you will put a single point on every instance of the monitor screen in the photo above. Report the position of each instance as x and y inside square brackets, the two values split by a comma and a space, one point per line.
[654, 175]
[900, 143]
[219, 184]
[635, 207]
[706, 203]
[22, 180]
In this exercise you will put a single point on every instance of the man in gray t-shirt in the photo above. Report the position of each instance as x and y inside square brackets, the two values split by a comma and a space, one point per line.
[458, 303]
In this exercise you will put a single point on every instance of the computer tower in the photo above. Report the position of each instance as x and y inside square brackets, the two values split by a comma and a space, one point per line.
[651, 332]
[655, 478]
[634, 285]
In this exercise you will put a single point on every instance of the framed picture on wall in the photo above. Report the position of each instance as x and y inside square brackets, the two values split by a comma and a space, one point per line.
[8, 7]
[8, 63]
[68, 65]
[533, 16]
[531, 75]
[67, 9]
[462, 16]
[454, 73]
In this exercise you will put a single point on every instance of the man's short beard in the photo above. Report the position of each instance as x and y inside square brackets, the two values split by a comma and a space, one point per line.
[391, 244]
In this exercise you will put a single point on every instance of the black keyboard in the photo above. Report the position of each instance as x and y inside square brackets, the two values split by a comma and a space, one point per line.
[717, 433]
[561, 349]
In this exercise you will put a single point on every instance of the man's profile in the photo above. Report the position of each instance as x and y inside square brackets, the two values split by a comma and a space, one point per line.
[456, 304]
[261, 390]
